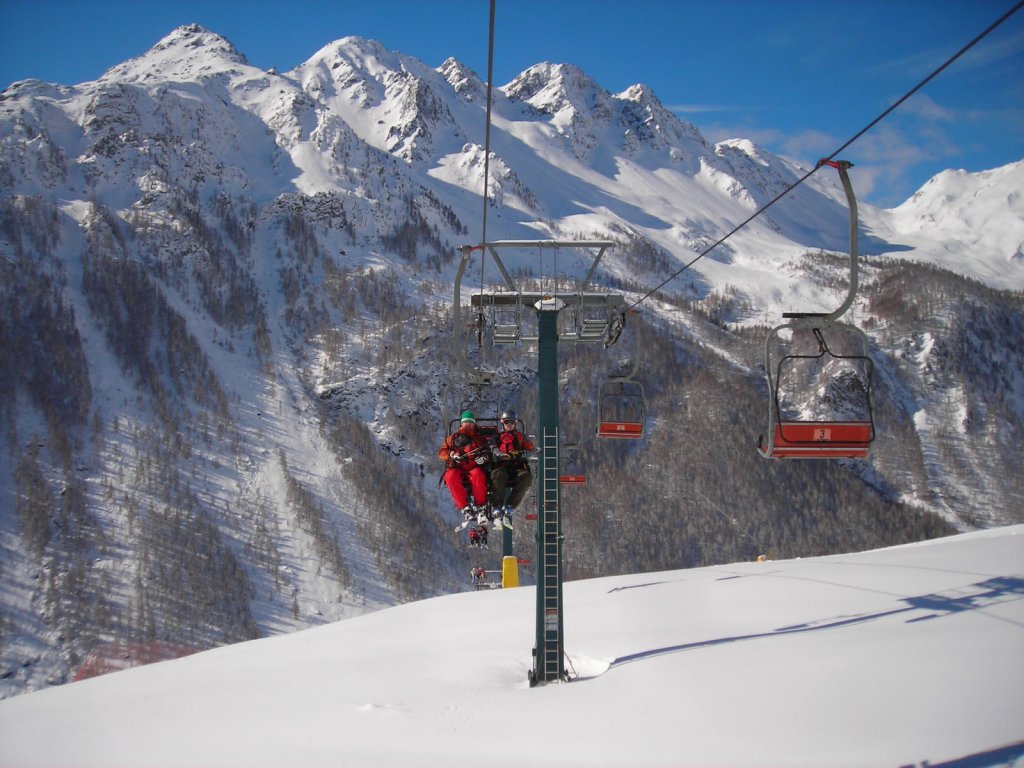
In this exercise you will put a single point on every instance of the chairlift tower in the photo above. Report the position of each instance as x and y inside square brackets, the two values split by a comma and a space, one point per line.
[594, 313]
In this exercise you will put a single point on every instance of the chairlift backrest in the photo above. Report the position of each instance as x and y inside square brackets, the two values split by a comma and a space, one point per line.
[485, 426]
[584, 323]
[488, 427]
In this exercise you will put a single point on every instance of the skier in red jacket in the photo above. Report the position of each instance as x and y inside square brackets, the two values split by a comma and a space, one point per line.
[466, 454]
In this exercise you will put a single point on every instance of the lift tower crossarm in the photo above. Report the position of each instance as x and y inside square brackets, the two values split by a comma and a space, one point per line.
[515, 296]
[601, 245]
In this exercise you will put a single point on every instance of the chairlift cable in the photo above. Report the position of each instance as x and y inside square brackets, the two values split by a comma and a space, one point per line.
[487, 126]
[846, 144]
[487, 163]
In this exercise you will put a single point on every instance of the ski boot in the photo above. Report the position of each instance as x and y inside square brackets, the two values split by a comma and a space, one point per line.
[483, 513]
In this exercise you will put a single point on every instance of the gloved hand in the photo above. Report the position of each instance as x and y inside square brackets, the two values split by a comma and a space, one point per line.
[457, 458]
[481, 459]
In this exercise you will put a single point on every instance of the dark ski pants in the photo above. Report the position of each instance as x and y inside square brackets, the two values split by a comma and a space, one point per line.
[515, 480]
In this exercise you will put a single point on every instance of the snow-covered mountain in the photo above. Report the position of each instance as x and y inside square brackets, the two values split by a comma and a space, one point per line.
[224, 315]
[972, 223]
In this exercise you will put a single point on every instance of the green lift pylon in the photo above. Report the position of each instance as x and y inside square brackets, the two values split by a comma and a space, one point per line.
[593, 313]
[549, 651]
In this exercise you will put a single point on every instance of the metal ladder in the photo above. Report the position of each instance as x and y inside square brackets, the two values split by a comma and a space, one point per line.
[551, 582]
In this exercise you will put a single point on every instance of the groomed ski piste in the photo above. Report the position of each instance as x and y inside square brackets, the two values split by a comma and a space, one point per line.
[907, 656]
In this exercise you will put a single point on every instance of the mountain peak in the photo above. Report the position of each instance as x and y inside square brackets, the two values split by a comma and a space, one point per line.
[352, 54]
[463, 79]
[640, 93]
[651, 119]
[743, 147]
[553, 87]
[196, 37]
[190, 52]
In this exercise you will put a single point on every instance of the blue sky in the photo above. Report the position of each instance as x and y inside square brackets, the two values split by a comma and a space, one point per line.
[798, 77]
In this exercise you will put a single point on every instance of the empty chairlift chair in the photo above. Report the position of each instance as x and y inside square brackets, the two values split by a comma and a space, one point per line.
[832, 418]
[621, 409]
[827, 413]
[507, 322]
[573, 471]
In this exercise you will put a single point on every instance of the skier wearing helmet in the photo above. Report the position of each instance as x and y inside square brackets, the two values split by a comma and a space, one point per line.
[510, 472]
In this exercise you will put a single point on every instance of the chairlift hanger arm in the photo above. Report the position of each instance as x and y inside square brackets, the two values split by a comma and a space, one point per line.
[478, 376]
[843, 167]
[818, 320]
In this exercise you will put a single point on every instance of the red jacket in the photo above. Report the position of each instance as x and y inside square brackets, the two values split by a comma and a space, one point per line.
[464, 441]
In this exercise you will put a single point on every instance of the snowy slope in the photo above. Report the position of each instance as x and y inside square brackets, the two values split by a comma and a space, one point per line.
[903, 656]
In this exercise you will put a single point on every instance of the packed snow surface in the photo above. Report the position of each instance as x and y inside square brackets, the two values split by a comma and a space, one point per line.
[898, 657]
